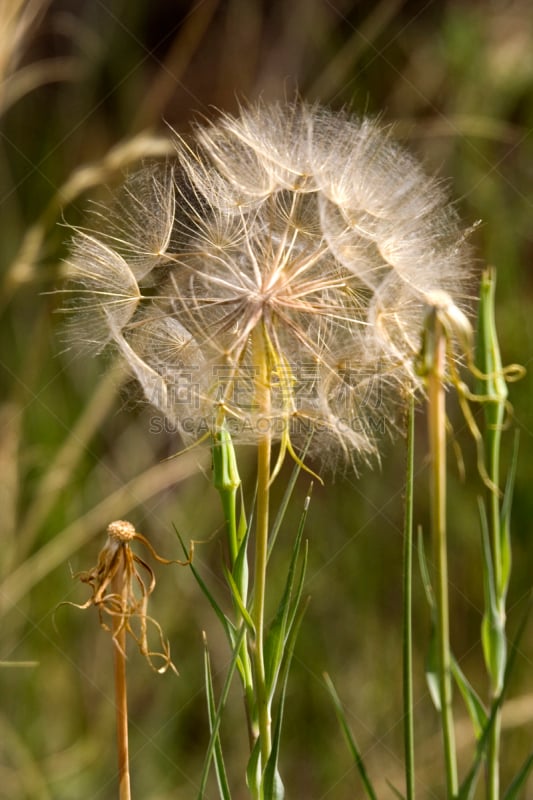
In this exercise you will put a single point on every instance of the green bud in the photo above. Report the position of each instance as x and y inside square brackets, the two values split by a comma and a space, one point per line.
[225, 473]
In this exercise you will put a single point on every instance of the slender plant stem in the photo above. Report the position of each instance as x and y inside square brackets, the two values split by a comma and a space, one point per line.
[494, 436]
[437, 439]
[261, 545]
[264, 447]
[493, 759]
[494, 387]
[408, 727]
[121, 697]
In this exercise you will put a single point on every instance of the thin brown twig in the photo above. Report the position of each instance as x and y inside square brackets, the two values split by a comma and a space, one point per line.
[120, 584]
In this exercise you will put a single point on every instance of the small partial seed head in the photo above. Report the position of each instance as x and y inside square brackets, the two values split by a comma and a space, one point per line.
[121, 530]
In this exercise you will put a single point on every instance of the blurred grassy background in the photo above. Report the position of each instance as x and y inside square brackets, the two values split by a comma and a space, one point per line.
[97, 83]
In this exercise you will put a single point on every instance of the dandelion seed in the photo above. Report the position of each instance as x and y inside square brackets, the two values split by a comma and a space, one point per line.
[139, 222]
[291, 247]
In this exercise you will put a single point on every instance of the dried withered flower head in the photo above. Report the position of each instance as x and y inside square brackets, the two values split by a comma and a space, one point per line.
[290, 250]
[121, 584]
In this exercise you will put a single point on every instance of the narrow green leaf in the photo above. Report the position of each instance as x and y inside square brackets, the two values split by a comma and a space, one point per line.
[226, 623]
[494, 648]
[468, 786]
[352, 746]
[229, 628]
[505, 522]
[493, 637]
[236, 595]
[282, 510]
[272, 785]
[273, 788]
[245, 525]
[253, 770]
[396, 791]
[297, 596]
[215, 715]
[432, 667]
[240, 567]
[488, 567]
[274, 645]
[519, 780]
[278, 631]
[292, 635]
[424, 571]
[214, 750]
[432, 657]
[475, 707]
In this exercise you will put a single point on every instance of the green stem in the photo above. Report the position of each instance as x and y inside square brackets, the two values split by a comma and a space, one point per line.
[264, 446]
[437, 438]
[493, 758]
[408, 727]
[494, 418]
[261, 550]
[494, 388]
[493, 765]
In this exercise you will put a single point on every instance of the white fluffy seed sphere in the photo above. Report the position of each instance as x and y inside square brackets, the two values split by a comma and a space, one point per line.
[290, 236]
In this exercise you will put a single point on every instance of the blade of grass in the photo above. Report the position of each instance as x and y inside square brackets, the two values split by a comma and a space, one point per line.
[214, 748]
[226, 623]
[431, 667]
[352, 746]
[281, 624]
[520, 778]
[505, 521]
[396, 791]
[282, 510]
[271, 782]
[466, 791]
[493, 624]
[474, 706]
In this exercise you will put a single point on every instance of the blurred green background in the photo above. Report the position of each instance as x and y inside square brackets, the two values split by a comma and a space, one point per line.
[87, 88]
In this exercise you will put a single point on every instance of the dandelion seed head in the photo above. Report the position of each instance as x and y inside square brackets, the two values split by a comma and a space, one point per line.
[122, 530]
[121, 584]
[291, 250]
